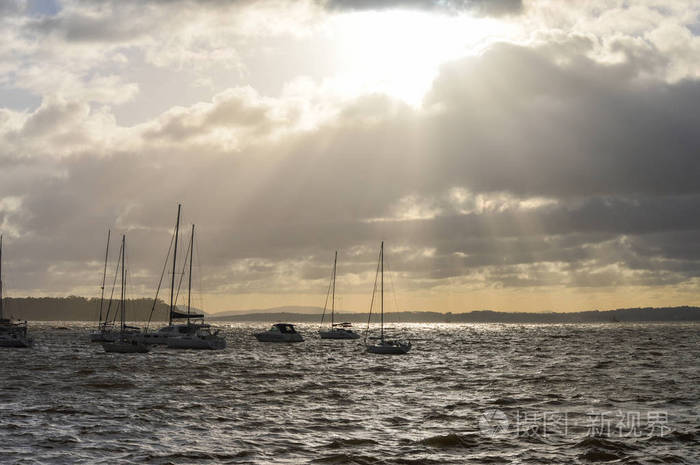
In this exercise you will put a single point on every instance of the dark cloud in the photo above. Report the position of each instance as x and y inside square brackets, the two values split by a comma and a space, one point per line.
[121, 24]
[486, 7]
[514, 120]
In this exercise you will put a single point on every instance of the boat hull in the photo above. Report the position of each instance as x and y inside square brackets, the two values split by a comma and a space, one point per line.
[338, 334]
[19, 342]
[153, 339]
[102, 336]
[267, 337]
[389, 348]
[197, 342]
[129, 346]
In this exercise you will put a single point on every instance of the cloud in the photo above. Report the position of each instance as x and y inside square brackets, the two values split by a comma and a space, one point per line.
[485, 7]
[568, 161]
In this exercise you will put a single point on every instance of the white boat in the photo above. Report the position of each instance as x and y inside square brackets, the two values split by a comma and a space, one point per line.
[12, 333]
[384, 346]
[200, 337]
[280, 332]
[126, 340]
[194, 334]
[336, 330]
[161, 336]
[164, 334]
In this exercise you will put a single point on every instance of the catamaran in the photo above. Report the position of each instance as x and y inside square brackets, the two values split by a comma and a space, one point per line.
[12, 333]
[383, 346]
[125, 342]
[199, 335]
[336, 330]
[195, 333]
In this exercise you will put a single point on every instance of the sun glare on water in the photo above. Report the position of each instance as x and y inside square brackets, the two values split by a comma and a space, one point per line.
[399, 52]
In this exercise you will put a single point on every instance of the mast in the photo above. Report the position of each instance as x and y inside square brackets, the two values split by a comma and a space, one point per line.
[104, 278]
[189, 286]
[335, 262]
[123, 302]
[172, 282]
[381, 254]
[2, 314]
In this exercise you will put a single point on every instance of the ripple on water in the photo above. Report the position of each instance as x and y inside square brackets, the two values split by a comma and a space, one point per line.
[66, 401]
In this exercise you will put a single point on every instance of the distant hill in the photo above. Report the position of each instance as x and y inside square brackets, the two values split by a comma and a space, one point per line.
[84, 309]
[285, 309]
[80, 308]
[480, 316]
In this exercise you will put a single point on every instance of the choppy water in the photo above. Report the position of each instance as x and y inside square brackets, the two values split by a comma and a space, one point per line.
[465, 394]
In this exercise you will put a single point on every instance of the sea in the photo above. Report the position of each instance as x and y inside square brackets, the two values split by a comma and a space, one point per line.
[622, 393]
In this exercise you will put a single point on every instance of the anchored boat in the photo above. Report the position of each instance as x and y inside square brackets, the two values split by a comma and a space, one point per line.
[126, 341]
[336, 330]
[280, 332]
[195, 333]
[106, 330]
[383, 346]
[13, 333]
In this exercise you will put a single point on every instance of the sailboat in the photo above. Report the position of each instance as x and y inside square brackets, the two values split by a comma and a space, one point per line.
[104, 328]
[106, 332]
[383, 346]
[336, 330]
[126, 341]
[195, 334]
[198, 335]
[12, 333]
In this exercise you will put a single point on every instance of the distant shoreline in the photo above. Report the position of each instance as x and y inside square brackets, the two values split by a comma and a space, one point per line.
[666, 314]
[84, 309]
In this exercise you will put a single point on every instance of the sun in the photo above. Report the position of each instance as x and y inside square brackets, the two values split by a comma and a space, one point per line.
[399, 53]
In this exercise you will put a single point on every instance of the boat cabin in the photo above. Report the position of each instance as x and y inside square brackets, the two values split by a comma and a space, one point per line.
[283, 328]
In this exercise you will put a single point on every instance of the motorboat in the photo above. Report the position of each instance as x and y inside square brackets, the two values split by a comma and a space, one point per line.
[280, 332]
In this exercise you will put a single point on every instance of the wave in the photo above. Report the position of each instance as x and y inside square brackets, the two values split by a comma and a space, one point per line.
[453, 441]
[351, 442]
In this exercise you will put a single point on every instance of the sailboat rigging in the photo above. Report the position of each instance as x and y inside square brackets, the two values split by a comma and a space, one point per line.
[336, 330]
[199, 335]
[194, 334]
[12, 333]
[126, 341]
[383, 346]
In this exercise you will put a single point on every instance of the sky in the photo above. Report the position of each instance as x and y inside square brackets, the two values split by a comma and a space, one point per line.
[520, 156]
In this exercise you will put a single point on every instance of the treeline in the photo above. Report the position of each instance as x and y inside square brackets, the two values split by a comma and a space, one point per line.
[79, 308]
[488, 316]
[87, 309]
